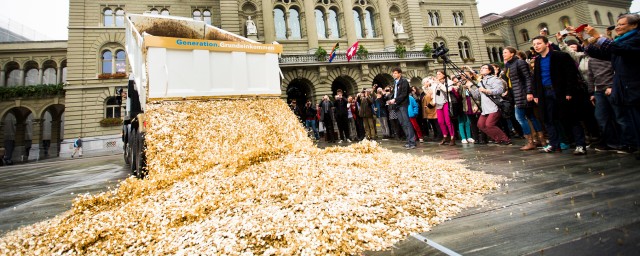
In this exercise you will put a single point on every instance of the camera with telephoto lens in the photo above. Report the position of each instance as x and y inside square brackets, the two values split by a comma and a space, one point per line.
[440, 51]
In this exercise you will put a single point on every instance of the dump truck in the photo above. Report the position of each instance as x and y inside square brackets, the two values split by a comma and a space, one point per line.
[181, 59]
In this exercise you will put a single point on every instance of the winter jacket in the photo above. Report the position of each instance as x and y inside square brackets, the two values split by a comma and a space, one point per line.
[414, 108]
[521, 82]
[428, 105]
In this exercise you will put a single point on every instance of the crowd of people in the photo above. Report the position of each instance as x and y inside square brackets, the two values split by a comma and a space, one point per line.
[580, 90]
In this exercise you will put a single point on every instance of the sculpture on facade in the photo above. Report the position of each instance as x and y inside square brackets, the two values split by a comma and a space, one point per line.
[397, 27]
[251, 27]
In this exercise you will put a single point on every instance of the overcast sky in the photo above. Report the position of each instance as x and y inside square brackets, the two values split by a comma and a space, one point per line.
[50, 18]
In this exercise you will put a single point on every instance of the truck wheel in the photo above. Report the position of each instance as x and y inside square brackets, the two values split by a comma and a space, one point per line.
[141, 159]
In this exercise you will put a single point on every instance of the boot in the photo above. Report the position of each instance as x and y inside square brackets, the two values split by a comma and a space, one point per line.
[541, 141]
[529, 145]
[452, 141]
[444, 140]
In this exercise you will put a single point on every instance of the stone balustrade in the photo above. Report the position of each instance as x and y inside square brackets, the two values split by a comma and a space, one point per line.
[410, 56]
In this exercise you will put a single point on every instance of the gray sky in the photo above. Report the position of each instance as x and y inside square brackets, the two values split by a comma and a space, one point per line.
[50, 17]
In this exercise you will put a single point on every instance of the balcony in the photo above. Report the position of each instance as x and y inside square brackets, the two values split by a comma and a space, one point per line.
[341, 59]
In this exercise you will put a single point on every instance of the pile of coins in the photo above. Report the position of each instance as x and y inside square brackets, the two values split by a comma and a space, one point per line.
[241, 177]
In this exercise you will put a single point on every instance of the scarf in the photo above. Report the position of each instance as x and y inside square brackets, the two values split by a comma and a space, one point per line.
[626, 35]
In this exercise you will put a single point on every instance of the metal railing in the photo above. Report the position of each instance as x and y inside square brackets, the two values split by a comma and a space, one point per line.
[372, 56]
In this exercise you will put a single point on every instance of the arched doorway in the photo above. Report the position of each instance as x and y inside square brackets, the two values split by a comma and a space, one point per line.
[417, 82]
[383, 80]
[299, 90]
[17, 134]
[346, 84]
[51, 130]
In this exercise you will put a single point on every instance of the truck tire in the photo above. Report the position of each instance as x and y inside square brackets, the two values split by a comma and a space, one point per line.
[141, 159]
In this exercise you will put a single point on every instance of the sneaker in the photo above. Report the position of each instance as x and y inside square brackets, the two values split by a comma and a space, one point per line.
[464, 141]
[348, 140]
[411, 147]
[564, 146]
[421, 141]
[340, 141]
[549, 149]
[580, 151]
[506, 143]
[470, 140]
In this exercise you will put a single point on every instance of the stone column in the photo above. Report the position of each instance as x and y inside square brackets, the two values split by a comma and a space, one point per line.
[387, 31]
[268, 25]
[287, 33]
[363, 25]
[55, 136]
[59, 75]
[2, 78]
[349, 22]
[327, 29]
[310, 20]
[21, 81]
[40, 74]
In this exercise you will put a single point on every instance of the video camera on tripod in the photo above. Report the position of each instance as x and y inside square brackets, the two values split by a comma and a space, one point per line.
[441, 52]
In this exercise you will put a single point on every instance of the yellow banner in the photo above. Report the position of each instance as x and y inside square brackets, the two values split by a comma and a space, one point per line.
[211, 45]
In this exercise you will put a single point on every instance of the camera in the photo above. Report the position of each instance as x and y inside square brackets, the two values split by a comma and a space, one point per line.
[440, 51]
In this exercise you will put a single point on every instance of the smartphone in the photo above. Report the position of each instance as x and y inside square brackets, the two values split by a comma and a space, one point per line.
[564, 32]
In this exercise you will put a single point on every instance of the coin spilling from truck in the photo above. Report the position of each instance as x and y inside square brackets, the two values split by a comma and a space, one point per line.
[229, 169]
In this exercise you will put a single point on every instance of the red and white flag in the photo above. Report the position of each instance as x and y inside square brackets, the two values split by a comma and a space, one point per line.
[352, 51]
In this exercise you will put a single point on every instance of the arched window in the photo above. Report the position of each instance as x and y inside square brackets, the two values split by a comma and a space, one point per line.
[369, 24]
[430, 19]
[154, 11]
[525, 35]
[438, 42]
[14, 78]
[280, 23]
[436, 19]
[119, 17]
[112, 109]
[49, 76]
[121, 62]
[108, 17]
[460, 18]
[610, 16]
[464, 49]
[455, 19]
[467, 49]
[320, 24]
[597, 15]
[358, 25]
[164, 12]
[294, 24]
[107, 62]
[197, 15]
[496, 55]
[32, 77]
[334, 26]
[207, 16]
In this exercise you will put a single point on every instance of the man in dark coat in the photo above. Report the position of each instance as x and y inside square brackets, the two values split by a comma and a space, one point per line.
[326, 115]
[401, 101]
[342, 117]
[624, 53]
[557, 94]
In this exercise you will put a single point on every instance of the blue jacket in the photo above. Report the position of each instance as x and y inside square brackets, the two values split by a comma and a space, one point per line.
[414, 108]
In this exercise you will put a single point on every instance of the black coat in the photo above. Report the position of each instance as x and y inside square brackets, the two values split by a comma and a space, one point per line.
[564, 77]
[341, 108]
[521, 81]
[625, 59]
[401, 97]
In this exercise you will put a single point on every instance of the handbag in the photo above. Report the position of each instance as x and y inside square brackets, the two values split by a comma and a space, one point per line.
[321, 127]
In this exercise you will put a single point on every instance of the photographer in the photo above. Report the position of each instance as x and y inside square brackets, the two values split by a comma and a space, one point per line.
[468, 120]
[310, 119]
[489, 91]
[366, 113]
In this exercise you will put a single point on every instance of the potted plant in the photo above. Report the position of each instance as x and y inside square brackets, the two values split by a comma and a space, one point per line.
[321, 54]
[119, 75]
[362, 53]
[108, 122]
[401, 50]
[426, 49]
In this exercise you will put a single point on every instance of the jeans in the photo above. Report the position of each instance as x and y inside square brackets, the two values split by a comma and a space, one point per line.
[488, 124]
[444, 120]
[605, 114]
[522, 115]
[629, 119]
[384, 126]
[312, 124]
[403, 117]
[464, 126]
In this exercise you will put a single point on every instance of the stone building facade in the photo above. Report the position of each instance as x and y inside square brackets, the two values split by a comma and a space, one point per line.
[517, 26]
[97, 65]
